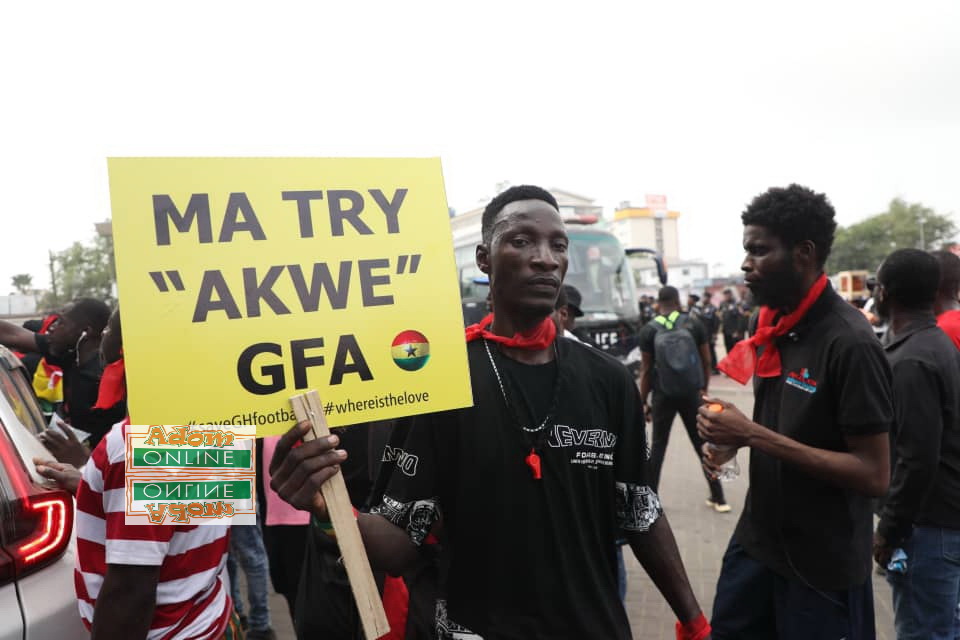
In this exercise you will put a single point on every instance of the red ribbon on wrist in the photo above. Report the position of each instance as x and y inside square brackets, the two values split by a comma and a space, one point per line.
[696, 629]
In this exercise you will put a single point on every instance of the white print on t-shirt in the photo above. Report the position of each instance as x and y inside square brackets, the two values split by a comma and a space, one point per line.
[416, 517]
[592, 447]
[406, 462]
[564, 436]
[447, 629]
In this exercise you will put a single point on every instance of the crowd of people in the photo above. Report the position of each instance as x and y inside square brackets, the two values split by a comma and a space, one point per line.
[512, 523]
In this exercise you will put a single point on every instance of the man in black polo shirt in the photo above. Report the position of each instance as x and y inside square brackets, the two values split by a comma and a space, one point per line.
[529, 488]
[799, 563]
[921, 514]
[73, 344]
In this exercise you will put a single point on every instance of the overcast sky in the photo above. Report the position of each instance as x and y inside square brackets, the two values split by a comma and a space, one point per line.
[708, 103]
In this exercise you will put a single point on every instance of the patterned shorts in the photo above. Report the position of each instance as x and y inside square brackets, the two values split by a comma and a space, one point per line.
[233, 631]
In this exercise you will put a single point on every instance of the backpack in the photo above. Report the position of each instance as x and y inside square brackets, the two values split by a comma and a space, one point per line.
[676, 357]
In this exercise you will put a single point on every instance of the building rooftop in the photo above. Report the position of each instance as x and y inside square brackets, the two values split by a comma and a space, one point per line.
[641, 212]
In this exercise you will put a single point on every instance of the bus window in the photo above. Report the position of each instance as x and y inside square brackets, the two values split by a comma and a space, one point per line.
[598, 269]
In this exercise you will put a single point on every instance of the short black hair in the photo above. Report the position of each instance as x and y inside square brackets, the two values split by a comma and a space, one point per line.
[949, 273]
[910, 278]
[90, 312]
[795, 214]
[693, 297]
[519, 192]
[668, 294]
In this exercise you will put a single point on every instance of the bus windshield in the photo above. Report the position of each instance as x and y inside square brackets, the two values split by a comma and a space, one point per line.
[598, 268]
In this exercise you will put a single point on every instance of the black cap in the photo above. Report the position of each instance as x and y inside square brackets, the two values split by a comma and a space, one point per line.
[570, 297]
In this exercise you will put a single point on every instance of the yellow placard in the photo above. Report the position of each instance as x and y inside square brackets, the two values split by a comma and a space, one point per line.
[244, 281]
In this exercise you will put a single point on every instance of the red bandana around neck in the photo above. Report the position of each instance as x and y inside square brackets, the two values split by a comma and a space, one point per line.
[113, 386]
[538, 339]
[742, 362]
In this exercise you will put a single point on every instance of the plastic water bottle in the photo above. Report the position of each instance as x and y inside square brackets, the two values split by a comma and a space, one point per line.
[898, 561]
[730, 470]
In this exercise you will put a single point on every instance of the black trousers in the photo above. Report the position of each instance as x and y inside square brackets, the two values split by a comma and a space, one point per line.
[755, 603]
[729, 341]
[664, 411]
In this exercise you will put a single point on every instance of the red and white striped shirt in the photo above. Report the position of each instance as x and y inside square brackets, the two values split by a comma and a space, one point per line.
[192, 599]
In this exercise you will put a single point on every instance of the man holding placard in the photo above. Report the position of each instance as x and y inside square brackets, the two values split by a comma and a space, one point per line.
[528, 489]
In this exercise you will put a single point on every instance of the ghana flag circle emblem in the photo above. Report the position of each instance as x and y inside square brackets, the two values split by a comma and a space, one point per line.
[410, 350]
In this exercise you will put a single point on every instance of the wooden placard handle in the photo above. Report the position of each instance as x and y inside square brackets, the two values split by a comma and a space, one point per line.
[308, 408]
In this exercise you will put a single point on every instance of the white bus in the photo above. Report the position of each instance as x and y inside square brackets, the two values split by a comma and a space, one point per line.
[598, 268]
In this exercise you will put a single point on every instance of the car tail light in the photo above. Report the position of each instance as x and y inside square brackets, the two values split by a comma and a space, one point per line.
[52, 513]
[37, 522]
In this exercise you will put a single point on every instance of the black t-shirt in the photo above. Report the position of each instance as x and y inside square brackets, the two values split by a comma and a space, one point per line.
[531, 386]
[81, 384]
[835, 382]
[530, 558]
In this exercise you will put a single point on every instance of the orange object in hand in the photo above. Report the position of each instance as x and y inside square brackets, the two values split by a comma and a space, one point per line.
[716, 408]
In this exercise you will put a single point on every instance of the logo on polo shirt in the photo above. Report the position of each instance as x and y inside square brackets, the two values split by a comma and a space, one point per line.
[802, 380]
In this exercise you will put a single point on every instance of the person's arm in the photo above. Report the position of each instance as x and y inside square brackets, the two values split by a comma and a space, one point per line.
[65, 475]
[640, 517]
[656, 549]
[65, 448]
[126, 602]
[134, 554]
[388, 546]
[864, 468]
[16, 337]
[645, 342]
[646, 377]
[700, 333]
[707, 362]
[918, 402]
[297, 473]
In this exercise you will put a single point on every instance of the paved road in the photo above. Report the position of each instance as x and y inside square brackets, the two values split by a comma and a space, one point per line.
[701, 534]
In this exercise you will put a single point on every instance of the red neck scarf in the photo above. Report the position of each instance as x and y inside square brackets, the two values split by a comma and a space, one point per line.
[536, 340]
[113, 386]
[742, 362]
